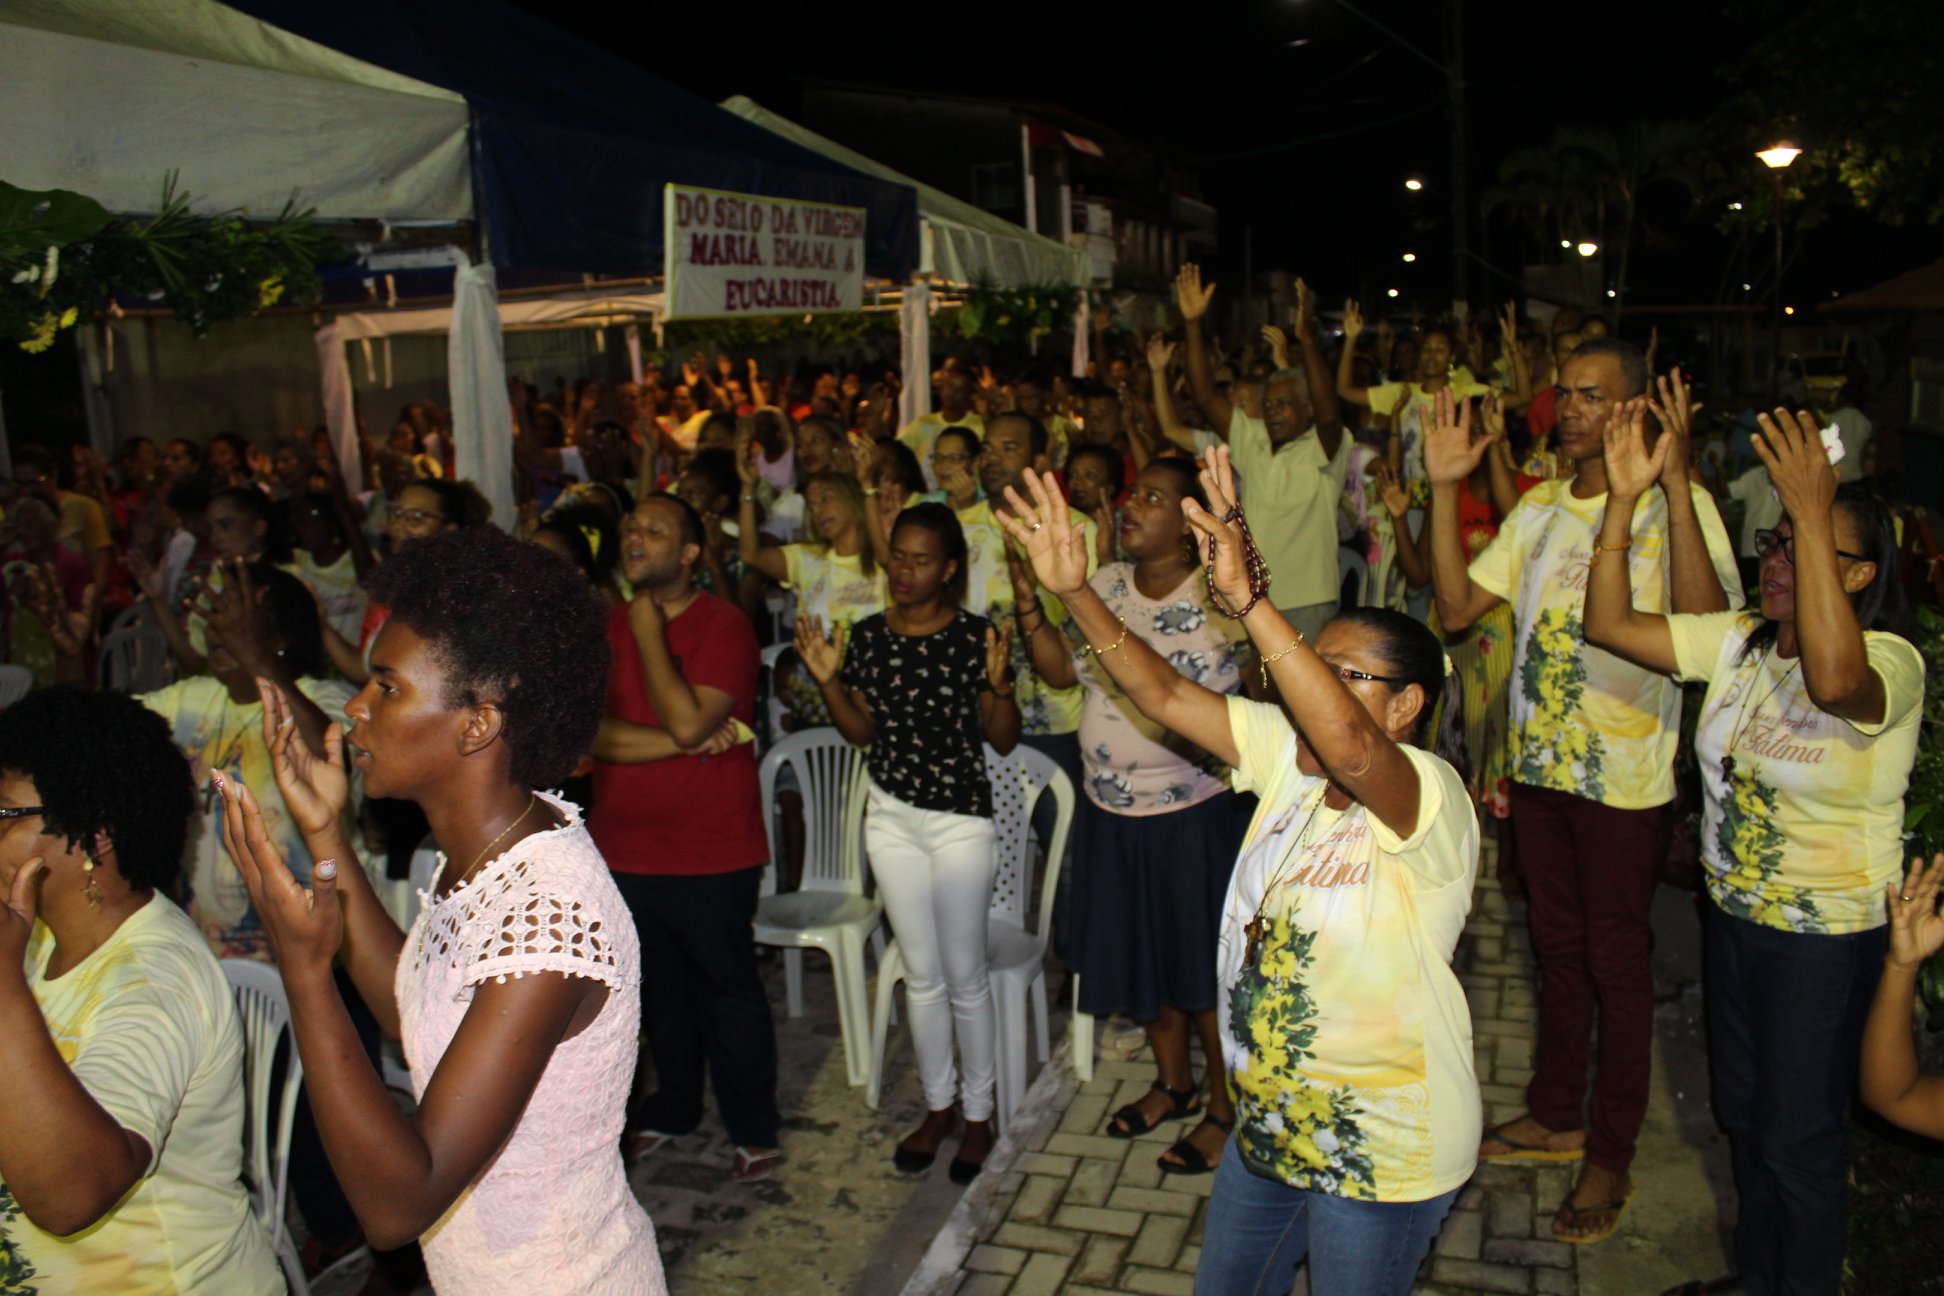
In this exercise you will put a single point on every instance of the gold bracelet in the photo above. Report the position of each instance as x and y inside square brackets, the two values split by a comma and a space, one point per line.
[1599, 549]
[1278, 656]
[1098, 652]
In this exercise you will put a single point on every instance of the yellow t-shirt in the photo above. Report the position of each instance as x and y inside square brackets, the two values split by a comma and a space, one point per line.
[1348, 1036]
[1585, 721]
[84, 527]
[1291, 493]
[149, 1028]
[989, 592]
[831, 588]
[1807, 829]
[923, 430]
[339, 595]
[1419, 412]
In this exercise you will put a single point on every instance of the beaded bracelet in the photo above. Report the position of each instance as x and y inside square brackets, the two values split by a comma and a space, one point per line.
[1251, 559]
[1101, 652]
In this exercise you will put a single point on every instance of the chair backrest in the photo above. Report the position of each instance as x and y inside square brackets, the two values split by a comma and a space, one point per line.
[15, 683]
[1351, 564]
[831, 775]
[135, 660]
[1018, 779]
[265, 1010]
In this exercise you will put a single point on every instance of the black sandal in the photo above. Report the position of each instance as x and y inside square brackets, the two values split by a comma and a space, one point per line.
[1131, 1122]
[1192, 1161]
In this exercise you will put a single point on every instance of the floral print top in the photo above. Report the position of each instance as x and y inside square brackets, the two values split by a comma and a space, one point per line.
[1584, 721]
[1133, 765]
[1805, 828]
[832, 589]
[923, 691]
[1346, 1032]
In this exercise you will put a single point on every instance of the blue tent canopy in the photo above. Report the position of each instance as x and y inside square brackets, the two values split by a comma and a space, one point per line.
[572, 144]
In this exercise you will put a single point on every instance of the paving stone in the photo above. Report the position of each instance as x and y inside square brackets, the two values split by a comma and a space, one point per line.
[1100, 1084]
[1487, 948]
[1141, 1170]
[1037, 1200]
[1520, 1076]
[1160, 1242]
[1092, 1181]
[1498, 1093]
[1043, 1275]
[1048, 1163]
[984, 1284]
[1188, 1185]
[1097, 1219]
[1086, 1145]
[1513, 1051]
[1159, 1282]
[1190, 1257]
[1527, 1014]
[1100, 1260]
[1556, 1282]
[1533, 1253]
[1509, 1214]
[1199, 1223]
[1034, 1237]
[1085, 1115]
[1152, 1201]
[1462, 1233]
[986, 1258]
[1479, 1276]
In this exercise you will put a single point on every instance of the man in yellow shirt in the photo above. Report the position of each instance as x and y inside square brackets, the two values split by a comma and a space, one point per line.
[954, 410]
[84, 527]
[1593, 769]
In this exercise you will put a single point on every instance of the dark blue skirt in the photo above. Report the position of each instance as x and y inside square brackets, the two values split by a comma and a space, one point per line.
[1146, 904]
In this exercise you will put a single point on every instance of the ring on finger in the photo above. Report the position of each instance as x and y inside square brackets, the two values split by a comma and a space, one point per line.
[1036, 526]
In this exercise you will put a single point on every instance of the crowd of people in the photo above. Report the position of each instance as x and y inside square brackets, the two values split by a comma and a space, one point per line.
[1141, 573]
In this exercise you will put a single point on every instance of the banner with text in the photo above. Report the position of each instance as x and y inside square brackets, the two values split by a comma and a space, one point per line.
[732, 254]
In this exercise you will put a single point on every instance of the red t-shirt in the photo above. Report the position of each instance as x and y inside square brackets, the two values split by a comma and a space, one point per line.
[686, 815]
[1541, 414]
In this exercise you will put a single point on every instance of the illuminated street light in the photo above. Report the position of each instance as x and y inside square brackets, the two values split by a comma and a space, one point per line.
[1612, 293]
[1589, 248]
[1778, 156]
[1409, 257]
[1565, 243]
[1392, 293]
[1414, 184]
[1788, 310]
[1734, 206]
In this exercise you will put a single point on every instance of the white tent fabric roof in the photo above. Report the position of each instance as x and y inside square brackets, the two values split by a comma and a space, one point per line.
[568, 307]
[962, 243]
[105, 97]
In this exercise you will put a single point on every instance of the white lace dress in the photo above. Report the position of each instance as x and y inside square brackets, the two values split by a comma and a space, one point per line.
[552, 1212]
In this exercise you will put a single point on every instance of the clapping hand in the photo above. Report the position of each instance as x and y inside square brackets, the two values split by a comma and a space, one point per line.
[39, 589]
[1675, 409]
[1632, 468]
[304, 924]
[1305, 312]
[1916, 930]
[998, 655]
[315, 787]
[1278, 345]
[821, 657]
[1451, 453]
[237, 620]
[1045, 529]
[1190, 295]
[1791, 448]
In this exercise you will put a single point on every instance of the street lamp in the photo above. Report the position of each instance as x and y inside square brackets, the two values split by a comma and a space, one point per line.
[1777, 157]
[1588, 248]
[1414, 184]
[1409, 257]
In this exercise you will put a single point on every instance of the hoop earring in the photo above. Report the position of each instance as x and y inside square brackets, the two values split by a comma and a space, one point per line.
[91, 888]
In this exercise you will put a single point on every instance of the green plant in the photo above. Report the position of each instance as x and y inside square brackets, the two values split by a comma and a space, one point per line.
[1017, 317]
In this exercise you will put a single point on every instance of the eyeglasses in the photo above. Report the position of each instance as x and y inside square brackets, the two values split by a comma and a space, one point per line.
[1767, 542]
[416, 517]
[19, 812]
[950, 458]
[1349, 675]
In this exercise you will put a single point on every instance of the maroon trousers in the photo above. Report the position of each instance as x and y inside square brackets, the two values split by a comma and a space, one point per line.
[1590, 871]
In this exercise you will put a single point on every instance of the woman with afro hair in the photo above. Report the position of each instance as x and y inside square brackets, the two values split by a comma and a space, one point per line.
[517, 990]
[121, 1133]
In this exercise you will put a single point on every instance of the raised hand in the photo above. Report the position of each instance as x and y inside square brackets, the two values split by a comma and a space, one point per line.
[315, 788]
[1045, 529]
[238, 621]
[1491, 413]
[1396, 499]
[1451, 453]
[1229, 572]
[304, 924]
[998, 655]
[1278, 345]
[1916, 930]
[1190, 295]
[1509, 329]
[1791, 448]
[1160, 353]
[1353, 321]
[821, 657]
[1632, 469]
[1305, 312]
[1675, 409]
[746, 456]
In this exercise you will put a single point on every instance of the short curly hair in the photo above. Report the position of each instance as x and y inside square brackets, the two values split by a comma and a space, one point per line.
[514, 624]
[142, 799]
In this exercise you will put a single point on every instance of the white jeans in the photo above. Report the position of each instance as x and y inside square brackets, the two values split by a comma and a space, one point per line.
[934, 872]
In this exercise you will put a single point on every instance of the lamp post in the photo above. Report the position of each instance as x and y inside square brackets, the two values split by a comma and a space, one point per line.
[1777, 157]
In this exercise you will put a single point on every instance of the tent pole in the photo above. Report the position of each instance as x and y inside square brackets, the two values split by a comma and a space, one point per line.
[340, 405]
[914, 351]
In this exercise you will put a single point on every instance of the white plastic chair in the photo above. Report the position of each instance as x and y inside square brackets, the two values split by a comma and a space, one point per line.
[830, 911]
[774, 716]
[15, 683]
[265, 1010]
[1350, 564]
[135, 660]
[1015, 953]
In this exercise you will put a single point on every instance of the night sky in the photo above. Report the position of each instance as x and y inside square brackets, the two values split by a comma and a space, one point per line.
[1306, 144]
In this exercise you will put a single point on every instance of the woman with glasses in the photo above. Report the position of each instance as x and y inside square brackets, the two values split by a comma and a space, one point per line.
[1344, 1028]
[953, 456]
[1806, 739]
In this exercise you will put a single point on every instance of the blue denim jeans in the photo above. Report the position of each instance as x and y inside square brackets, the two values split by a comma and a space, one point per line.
[1259, 1230]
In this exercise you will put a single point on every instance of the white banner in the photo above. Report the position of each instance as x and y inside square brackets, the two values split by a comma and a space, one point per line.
[730, 254]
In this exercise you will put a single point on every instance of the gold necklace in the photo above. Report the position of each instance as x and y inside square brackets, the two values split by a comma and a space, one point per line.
[533, 799]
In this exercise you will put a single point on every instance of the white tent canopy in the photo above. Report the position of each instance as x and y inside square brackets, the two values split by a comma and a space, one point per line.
[103, 97]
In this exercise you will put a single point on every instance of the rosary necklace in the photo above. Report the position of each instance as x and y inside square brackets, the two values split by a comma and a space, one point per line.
[1258, 927]
[1741, 721]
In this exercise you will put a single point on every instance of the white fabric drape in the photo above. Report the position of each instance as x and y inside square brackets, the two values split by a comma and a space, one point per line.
[1082, 328]
[340, 412]
[482, 417]
[914, 351]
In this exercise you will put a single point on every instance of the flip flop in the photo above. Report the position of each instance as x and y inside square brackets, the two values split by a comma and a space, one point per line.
[753, 1165]
[645, 1142]
[1130, 1122]
[1192, 1161]
[1570, 1215]
[1527, 1152]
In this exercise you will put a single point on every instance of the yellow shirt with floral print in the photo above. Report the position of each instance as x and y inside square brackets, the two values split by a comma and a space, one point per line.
[831, 588]
[989, 592]
[1585, 721]
[1804, 829]
[1347, 1035]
